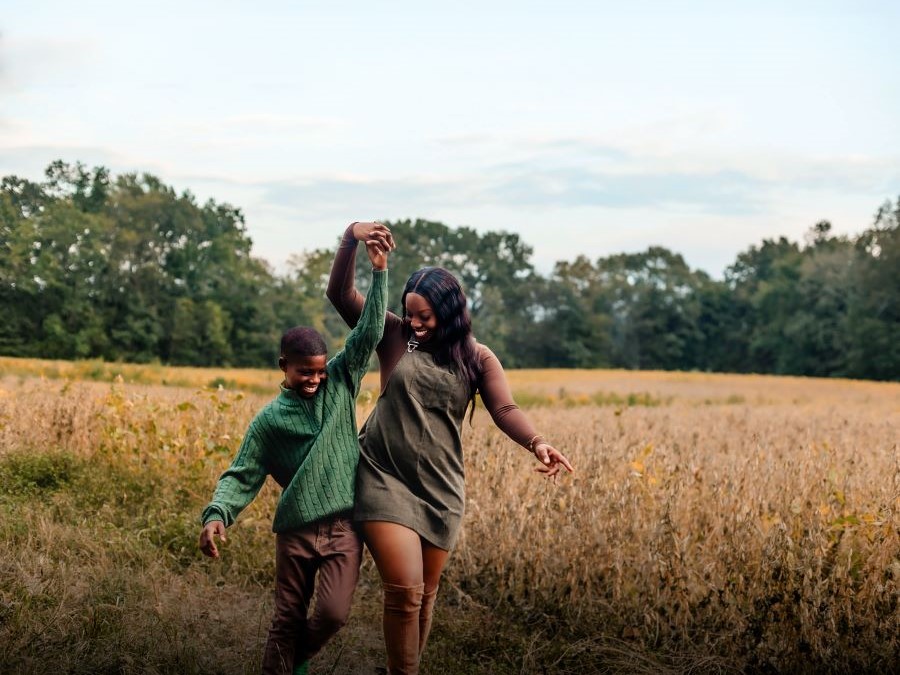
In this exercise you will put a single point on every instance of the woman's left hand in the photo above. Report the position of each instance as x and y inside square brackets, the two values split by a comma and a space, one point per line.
[551, 459]
[374, 232]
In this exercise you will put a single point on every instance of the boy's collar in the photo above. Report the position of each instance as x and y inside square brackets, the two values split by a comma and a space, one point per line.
[292, 396]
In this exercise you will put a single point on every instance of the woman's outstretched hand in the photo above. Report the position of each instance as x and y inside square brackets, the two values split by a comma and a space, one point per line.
[551, 459]
[374, 233]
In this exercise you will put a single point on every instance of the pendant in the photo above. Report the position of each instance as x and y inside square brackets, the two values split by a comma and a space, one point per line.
[411, 345]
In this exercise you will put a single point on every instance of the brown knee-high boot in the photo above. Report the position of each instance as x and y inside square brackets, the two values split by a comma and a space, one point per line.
[425, 618]
[402, 605]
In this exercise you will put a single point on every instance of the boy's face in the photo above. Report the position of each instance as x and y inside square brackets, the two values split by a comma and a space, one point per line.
[304, 374]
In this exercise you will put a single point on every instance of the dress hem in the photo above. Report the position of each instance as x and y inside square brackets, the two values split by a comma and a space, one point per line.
[385, 518]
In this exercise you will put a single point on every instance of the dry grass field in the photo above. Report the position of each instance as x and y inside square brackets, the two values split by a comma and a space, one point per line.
[715, 523]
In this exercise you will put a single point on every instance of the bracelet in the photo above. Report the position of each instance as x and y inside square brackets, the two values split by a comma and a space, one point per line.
[534, 440]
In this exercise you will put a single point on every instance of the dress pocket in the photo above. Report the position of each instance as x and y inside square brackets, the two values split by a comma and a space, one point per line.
[433, 388]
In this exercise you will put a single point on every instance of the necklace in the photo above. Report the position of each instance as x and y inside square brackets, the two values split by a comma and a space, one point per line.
[411, 345]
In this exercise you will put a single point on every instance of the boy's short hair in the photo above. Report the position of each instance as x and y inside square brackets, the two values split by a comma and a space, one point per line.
[302, 341]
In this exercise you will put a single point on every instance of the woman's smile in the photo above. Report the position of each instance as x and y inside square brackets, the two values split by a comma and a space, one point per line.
[421, 317]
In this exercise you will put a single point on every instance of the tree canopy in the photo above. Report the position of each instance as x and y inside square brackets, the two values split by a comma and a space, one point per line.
[125, 268]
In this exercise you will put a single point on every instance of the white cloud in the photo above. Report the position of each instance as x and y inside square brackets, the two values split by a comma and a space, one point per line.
[26, 62]
[256, 124]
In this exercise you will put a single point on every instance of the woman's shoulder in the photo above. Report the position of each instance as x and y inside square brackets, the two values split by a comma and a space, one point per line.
[484, 354]
[394, 336]
[393, 325]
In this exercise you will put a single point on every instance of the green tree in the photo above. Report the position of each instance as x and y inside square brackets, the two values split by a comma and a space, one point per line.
[94, 267]
[302, 298]
[765, 279]
[22, 203]
[874, 313]
[126, 268]
[815, 334]
[87, 190]
[654, 308]
[573, 318]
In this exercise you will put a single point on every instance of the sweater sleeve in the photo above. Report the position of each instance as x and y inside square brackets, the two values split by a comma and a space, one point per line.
[498, 400]
[368, 331]
[240, 483]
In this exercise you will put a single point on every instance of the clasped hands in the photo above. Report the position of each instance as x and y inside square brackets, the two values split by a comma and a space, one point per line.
[378, 240]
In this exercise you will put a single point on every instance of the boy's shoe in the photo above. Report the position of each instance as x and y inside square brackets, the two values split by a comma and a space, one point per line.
[301, 668]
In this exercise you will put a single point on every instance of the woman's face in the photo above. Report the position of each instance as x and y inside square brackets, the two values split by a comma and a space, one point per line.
[421, 317]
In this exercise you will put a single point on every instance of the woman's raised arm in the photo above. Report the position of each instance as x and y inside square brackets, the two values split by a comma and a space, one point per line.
[341, 291]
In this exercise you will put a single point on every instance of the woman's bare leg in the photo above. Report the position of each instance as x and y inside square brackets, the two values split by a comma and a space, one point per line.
[397, 551]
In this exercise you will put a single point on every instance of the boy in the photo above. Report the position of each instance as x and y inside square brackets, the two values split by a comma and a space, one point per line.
[306, 438]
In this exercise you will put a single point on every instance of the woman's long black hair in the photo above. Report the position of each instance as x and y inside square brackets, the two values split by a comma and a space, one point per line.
[453, 340]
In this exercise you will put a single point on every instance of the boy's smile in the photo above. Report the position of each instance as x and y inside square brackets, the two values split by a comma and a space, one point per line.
[304, 374]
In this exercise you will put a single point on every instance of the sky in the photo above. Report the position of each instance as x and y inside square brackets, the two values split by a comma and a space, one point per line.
[588, 128]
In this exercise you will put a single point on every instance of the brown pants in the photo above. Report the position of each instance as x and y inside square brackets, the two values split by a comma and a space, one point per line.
[333, 549]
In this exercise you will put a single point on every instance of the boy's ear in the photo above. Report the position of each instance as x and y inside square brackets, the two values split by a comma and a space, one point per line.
[282, 363]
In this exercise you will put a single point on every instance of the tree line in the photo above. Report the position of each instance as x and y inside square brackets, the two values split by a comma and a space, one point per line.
[124, 268]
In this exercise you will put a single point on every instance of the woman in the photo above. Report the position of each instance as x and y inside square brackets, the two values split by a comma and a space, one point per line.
[410, 484]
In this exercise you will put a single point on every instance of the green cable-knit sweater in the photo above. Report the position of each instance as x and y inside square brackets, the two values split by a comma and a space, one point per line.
[309, 446]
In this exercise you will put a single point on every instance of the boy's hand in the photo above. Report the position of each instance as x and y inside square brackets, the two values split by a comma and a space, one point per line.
[215, 528]
[374, 232]
[378, 254]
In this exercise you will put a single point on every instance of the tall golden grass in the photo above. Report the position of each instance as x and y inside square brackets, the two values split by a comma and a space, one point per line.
[714, 523]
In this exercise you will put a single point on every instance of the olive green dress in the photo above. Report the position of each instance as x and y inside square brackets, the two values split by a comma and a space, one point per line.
[411, 464]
